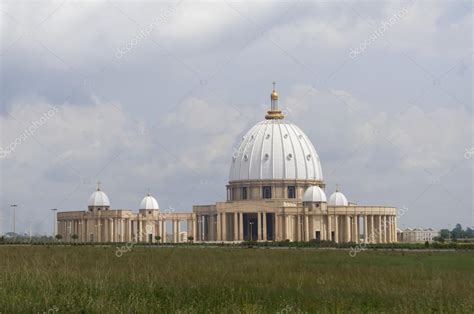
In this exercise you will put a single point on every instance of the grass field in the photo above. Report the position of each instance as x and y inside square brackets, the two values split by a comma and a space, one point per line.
[144, 280]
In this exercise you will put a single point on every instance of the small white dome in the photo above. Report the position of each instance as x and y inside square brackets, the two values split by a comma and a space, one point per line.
[99, 198]
[314, 194]
[149, 203]
[338, 199]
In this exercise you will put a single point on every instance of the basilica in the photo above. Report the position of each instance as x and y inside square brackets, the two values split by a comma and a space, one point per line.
[275, 192]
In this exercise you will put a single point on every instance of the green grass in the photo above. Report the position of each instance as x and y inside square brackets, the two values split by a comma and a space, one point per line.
[195, 279]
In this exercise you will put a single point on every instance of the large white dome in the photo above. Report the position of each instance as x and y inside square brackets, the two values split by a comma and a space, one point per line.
[314, 194]
[99, 198]
[149, 203]
[275, 149]
[338, 199]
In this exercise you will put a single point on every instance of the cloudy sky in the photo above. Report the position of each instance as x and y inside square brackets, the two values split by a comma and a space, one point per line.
[154, 95]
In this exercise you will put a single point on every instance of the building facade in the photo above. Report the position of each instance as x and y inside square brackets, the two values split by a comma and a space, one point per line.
[275, 193]
[418, 235]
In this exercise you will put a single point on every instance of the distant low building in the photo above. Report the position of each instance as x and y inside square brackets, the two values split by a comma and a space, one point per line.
[418, 235]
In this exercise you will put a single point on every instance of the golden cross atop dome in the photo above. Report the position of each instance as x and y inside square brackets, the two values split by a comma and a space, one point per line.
[98, 185]
[337, 187]
[274, 95]
[274, 112]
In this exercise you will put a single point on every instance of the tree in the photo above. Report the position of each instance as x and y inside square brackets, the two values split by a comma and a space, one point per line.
[457, 232]
[157, 238]
[469, 232]
[74, 237]
[445, 234]
[190, 238]
[58, 237]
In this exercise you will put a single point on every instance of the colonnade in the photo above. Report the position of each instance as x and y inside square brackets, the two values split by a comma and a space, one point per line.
[132, 229]
[296, 227]
[232, 226]
[337, 228]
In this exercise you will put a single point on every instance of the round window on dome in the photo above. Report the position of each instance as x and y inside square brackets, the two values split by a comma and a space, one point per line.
[290, 156]
[246, 157]
[266, 156]
[285, 136]
[308, 157]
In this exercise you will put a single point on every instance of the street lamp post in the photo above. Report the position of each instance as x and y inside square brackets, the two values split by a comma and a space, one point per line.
[14, 206]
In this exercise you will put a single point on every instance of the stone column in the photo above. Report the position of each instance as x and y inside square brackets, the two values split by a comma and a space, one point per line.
[328, 228]
[189, 226]
[384, 225]
[108, 222]
[379, 229]
[306, 228]
[116, 229]
[388, 228]
[322, 227]
[103, 230]
[276, 227]
[177, 230]
[236, 226]
[122, 230]
[82, 227]
[394, 220]
[372, 230]
[356, 229]
[163, 230]
[177, 222]
[83, 230]
[224, 227]
[336, 228]
[212, 226]
[241, 226]
[136, 229]
[205, 228]
[219, 227]
[194, 228]
[366, 228]
[264, 222]
[112, 230]
[173, 231]
[198, 228]
[97, 233]
[298, 225]
[392, 233]
[259, 226]
[347, 233]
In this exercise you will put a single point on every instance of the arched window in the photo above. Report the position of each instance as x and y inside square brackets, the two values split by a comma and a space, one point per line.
[244, 193]
[291, 192]
[267, 192]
